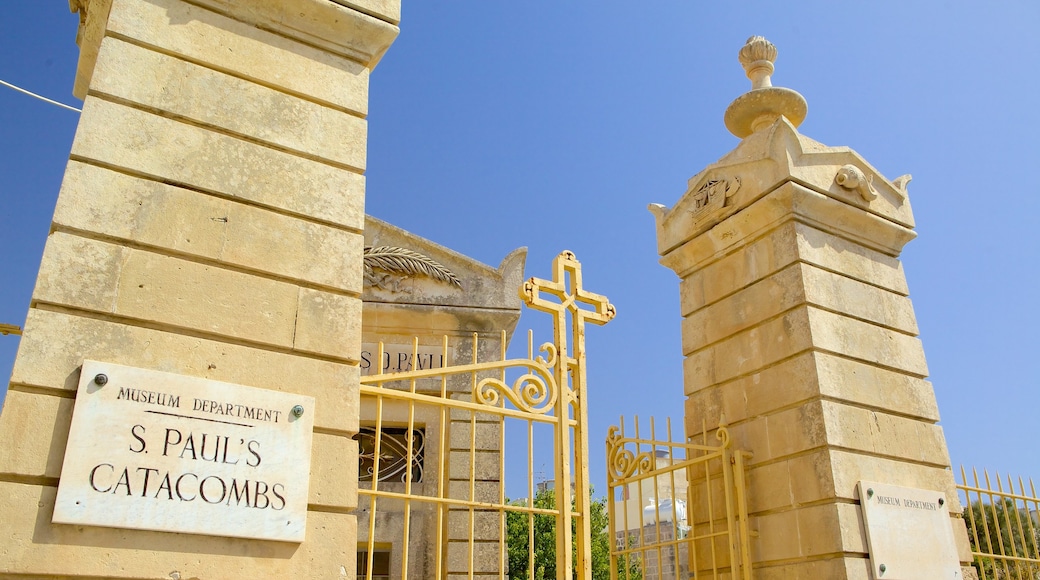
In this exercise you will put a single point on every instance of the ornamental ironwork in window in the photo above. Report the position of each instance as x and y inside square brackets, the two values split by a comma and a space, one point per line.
[393, 453]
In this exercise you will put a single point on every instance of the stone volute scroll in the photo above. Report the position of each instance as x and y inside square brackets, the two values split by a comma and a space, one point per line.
[764, 103]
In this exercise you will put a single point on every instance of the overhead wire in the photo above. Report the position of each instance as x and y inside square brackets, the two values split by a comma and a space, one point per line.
[42, 98]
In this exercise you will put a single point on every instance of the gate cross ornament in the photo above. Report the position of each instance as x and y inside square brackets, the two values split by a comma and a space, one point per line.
[570, 376]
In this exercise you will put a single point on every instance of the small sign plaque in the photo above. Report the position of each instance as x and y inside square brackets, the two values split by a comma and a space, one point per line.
[909, 533]
[150, 450]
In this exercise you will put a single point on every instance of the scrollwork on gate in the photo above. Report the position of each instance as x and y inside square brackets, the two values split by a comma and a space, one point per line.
[623, 463]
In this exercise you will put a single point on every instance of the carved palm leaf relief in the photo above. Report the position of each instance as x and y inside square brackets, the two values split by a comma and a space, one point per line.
[406, 263]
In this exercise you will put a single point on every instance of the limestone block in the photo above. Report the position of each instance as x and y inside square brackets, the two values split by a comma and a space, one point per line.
[328, 324]
[334, 475]
[485, 524]
[763, 299]
[184, 89]
[851, 259]
[34, 430]
[778, 386]
[43, 363]
[778, 248]
[807, 376]
[849, 468]
[185, 221]
[756, 259]
[488, 437]
[858, 300]
[790, 482]
[389, 10]
[871, 386]
[37, 547]
[480, 557]
[221, 43]
[485, 491]
[79, 272]
[174, 152]
[487, 465]
[843, 568]
[166, 290]
[794, 430]
[749, 351]
[351, 29]
[883, 434]
[809, 532]
[867, 342]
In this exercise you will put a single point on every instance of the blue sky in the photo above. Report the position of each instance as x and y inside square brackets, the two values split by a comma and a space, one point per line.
[552, 125]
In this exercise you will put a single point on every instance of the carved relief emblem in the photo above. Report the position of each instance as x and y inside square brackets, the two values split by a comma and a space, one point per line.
[386, 267]
[713, 194]
[852, 178]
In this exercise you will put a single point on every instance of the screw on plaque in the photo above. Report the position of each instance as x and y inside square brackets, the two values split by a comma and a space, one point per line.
[101, 379]
[882, 568]
[941, 502]
[297, 411]
[870, 492]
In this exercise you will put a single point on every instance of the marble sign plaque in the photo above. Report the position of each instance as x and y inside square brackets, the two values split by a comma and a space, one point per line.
[909, 533]
[150, 450]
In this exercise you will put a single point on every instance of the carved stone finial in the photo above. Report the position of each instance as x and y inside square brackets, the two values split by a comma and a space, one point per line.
[757, 57]
[764, 104]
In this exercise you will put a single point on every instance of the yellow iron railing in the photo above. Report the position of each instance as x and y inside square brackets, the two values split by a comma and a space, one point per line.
[1003, 526]
[6, 329]
[449, 517]
[682, 510]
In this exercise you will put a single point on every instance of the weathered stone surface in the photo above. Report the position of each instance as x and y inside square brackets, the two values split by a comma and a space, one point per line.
[221, 43]
[334, 475]
[259, 112]
[867, 342]
[162, 289]
[35, 547]
[55, 344]
[856, 299]
[748, 351]
[485, 524]
[185, 221]
[762, 300]
[40, 425]
[327, 324]
[172, 151]
[488, 436]
[809, 532]
[487, 465]
[719, 276]
[846, 567]
[808, 376]
[479, 557]
[360, 31]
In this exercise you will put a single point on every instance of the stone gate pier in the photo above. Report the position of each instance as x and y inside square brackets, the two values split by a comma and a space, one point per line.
[205, 263]
[799, 334]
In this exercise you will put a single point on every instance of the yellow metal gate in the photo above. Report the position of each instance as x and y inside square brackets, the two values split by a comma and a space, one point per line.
[432, 501]
[676, 509]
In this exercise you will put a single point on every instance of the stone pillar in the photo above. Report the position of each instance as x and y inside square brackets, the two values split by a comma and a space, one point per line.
[798, 332]
[209, 224]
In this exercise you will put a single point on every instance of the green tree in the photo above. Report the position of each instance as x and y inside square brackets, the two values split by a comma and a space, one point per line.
[1002, 529]
[518, 540]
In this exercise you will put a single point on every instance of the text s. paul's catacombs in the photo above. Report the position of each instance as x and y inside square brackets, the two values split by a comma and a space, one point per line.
[158, 451]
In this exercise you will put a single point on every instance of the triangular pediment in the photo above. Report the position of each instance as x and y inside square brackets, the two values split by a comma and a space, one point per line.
[404, 268]
[766, 160]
